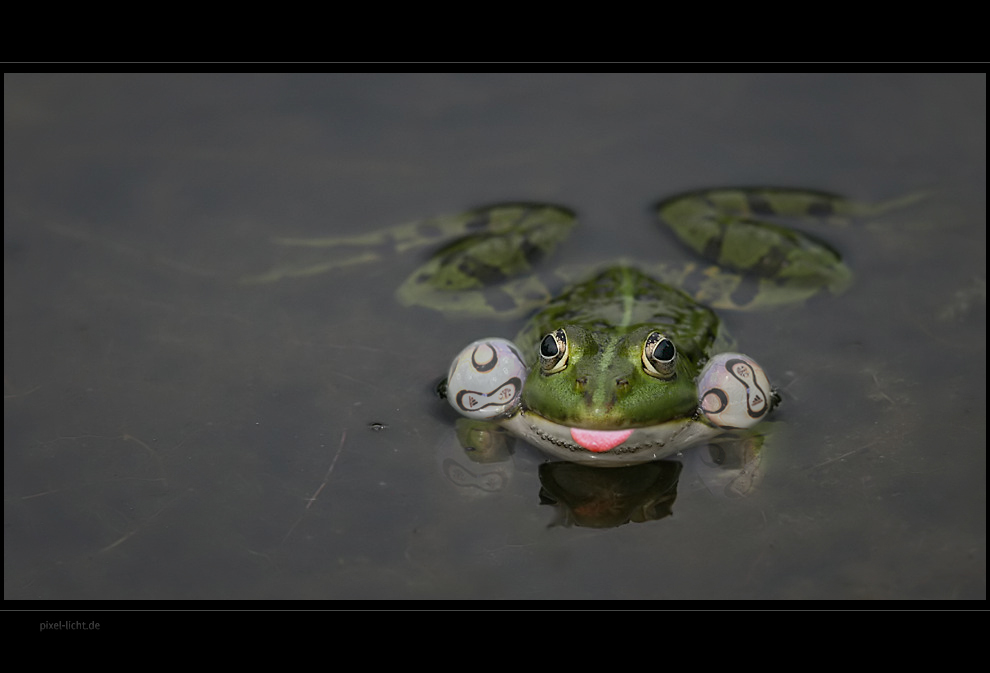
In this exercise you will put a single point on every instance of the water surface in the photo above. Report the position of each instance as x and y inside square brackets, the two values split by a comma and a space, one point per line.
[171, 432]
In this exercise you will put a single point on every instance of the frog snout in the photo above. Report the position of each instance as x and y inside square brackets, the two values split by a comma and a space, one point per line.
[601, 398]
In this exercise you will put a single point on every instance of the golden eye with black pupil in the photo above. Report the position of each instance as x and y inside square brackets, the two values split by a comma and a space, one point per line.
[553, 352]
[659, 356]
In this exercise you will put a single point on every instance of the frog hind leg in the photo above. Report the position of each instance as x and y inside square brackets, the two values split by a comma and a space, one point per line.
[490, 271]
[733, 228]
[314, 256]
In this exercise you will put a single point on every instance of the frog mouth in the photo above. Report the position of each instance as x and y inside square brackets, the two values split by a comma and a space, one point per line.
[607, 448]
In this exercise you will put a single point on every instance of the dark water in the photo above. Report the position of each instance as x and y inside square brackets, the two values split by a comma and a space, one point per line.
[172, 433]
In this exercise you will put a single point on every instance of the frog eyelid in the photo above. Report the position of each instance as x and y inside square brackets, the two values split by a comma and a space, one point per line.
[659, 356]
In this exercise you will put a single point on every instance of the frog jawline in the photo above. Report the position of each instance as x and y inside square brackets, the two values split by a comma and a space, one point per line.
[643, 445]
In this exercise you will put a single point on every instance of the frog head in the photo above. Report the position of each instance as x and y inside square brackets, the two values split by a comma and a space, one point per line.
[610, 380]
[609, 399]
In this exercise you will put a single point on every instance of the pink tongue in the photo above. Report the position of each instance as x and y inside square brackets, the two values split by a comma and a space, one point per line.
[599, 440]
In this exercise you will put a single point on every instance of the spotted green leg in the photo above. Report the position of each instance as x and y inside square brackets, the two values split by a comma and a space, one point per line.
[490, 272]
[739, 231]
[488, 242]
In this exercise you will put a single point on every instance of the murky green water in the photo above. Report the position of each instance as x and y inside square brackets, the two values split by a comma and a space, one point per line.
[172, 433]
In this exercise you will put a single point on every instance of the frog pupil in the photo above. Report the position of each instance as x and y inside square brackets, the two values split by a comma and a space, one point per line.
[664, 351]
[548, 347]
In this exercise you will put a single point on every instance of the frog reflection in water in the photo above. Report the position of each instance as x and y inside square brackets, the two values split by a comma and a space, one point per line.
[630, 363]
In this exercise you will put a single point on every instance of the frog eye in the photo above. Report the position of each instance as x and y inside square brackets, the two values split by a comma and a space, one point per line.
[659, 356]
[553, 352]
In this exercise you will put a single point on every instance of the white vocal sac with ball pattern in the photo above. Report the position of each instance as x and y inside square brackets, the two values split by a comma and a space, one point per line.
[486, 378]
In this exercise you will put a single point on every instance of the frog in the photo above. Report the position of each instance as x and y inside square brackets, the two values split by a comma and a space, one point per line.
[630, 361]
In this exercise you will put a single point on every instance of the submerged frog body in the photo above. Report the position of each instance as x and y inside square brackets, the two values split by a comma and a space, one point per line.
[624, 366]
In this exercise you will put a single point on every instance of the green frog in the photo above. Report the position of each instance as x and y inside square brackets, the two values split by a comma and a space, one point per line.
[629, 363]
